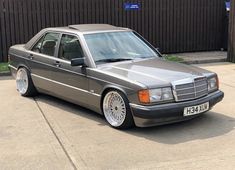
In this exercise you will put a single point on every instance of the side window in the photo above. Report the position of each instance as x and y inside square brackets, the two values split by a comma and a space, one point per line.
[70, 48]
[47, 44]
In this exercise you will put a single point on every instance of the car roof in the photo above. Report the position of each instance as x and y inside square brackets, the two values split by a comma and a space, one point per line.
[85, 28]
[80, 28]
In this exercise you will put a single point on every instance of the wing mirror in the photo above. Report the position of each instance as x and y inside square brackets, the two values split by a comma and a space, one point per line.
[78, 62]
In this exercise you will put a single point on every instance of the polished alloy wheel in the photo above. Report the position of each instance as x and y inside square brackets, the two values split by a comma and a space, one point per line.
[22, 81]
[114, 108]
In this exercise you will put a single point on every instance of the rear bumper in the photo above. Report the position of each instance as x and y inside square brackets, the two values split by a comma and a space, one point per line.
[13, 70]
[145, 116]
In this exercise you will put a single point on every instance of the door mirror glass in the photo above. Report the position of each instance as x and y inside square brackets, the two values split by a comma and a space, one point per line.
[77, 62]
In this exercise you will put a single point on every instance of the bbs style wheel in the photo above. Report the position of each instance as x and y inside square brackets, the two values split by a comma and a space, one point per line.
[116, 110]
[24, 83]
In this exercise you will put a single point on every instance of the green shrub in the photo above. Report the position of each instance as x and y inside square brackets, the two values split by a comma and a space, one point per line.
[4, 67]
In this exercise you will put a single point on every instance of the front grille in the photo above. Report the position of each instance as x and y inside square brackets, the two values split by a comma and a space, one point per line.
[192, 90]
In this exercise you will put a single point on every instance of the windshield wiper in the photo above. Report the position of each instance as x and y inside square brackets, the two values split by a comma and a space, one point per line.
[110, 60]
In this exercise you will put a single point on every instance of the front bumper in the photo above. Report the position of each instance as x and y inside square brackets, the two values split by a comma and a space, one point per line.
[145, 116]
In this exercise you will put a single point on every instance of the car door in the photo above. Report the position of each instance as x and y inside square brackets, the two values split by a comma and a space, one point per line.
[41, 60]
[70, 82]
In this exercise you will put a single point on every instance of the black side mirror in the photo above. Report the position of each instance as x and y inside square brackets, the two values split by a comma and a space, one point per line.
[78, 62]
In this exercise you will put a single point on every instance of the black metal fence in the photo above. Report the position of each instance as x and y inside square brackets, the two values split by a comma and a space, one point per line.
[172, 25]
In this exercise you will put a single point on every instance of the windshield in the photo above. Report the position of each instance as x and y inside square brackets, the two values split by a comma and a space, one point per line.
[117, 46]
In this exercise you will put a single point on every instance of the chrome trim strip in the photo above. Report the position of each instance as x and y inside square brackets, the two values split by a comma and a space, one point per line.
[139, 106]
[66, 85]
[12, 67]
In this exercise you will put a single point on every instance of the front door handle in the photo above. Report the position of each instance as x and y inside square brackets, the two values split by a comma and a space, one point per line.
[30, 56]
[57, 64]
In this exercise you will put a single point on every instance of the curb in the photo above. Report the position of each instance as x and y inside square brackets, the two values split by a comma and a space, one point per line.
[5, 73]
[204, 61]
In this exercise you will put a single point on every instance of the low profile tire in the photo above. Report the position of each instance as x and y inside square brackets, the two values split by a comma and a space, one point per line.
[116, 110]
[24, 83]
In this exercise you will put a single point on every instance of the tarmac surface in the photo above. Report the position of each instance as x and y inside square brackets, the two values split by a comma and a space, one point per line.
[47, 133]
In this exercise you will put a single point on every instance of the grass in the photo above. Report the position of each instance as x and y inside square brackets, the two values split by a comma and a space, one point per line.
[4, 67]
[173, 58]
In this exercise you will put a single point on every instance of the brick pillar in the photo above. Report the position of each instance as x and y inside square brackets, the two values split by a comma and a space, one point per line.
[231, 36]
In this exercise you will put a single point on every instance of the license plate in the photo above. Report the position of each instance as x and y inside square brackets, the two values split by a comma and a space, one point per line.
[193, 110]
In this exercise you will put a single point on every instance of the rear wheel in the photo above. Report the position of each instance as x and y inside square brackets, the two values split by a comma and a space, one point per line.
[117, 110]
[24, 83]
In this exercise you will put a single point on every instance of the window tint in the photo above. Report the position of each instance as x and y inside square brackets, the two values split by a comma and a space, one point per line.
[70, 48]
[47, 44]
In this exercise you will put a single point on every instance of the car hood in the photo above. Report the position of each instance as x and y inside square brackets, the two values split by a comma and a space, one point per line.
[153, 72]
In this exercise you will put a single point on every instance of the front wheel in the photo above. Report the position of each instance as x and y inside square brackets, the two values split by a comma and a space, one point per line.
[117, 111]
[24, 83]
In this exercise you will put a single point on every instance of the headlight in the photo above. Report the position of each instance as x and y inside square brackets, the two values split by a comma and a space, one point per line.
[155, 95]
[213, 84]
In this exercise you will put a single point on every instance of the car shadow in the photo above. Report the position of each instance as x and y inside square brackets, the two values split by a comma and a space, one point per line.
[71, 108]
[206, 126]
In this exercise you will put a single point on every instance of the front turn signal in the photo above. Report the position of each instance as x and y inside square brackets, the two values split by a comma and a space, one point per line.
[144, 96]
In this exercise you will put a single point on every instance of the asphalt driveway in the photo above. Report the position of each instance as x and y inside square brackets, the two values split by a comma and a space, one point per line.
[48, 133]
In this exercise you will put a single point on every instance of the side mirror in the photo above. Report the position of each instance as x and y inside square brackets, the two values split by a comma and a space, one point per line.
[78, 62]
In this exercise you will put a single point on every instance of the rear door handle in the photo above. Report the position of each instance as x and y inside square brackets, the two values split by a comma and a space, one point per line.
[30, 56]
[57, 64]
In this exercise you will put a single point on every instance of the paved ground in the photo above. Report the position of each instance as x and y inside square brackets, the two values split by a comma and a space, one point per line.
[203, 57]
[47, 133]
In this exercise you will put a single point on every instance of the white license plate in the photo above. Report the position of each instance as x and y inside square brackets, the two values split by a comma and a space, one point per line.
[193, 110]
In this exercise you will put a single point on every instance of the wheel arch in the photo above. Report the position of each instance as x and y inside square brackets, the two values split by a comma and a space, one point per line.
[23, 66]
